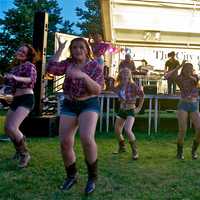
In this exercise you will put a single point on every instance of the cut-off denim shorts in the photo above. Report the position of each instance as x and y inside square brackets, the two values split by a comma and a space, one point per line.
[187, 106]
[26, 100]
[75, 107]
[100, 60]
[125, 113]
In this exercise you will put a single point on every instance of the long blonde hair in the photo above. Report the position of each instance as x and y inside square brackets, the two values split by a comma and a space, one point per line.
[119, 77]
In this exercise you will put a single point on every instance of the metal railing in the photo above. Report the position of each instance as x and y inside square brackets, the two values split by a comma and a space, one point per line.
[52, 88]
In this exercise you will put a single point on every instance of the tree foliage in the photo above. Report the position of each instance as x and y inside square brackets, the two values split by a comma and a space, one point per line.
[90, 18]
[17, 26]
[67, 27]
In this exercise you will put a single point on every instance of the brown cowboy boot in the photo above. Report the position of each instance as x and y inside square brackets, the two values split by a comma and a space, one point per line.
[24, 156]
[17, 154]
[72, 177]
[135, 154]
[194, 149]
[121, 148]
[179, 154]
[92, 177]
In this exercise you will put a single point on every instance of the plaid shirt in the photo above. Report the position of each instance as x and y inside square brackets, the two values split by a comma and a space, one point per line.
[76, 87]
[131, 92]
[26, 69]
[99, 49]
[188, 86]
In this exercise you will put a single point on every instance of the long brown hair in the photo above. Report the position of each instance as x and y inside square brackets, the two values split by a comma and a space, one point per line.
[185, 66]
[31, 55]
[80, 39]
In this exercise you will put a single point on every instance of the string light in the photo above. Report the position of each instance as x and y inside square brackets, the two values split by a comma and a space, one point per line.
[113, 50]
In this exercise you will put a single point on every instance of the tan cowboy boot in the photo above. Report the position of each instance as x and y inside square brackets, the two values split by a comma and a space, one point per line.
[121, 147]
[135, 154]
[195, 146]
[24, 156]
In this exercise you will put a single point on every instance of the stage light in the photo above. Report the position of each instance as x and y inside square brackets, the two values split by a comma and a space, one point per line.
[111, 50]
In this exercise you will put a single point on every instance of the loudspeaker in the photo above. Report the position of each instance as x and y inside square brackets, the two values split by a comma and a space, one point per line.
[40, 31]
[40, 126]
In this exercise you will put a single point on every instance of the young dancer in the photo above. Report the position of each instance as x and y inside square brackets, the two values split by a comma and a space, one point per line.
[187, 82]
[22, 78]
[83, 83]
[99, 47]
[127, 91]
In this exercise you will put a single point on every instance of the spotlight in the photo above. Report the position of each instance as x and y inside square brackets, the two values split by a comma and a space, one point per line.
[111, 50]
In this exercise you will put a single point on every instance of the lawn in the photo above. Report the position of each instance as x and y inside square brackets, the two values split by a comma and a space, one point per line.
[156, 175]
[2, 119]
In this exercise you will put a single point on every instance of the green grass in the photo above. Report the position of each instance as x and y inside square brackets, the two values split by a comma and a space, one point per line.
[156, 175]
[2, 120]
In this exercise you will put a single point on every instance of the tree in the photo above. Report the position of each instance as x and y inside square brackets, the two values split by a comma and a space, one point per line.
[67, 27]
[17, 26]
[90, 19]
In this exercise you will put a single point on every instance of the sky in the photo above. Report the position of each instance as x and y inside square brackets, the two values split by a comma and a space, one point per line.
[68, 8]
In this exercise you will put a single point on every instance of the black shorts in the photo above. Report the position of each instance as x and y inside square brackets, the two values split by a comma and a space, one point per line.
[125, 113]
[26, 100]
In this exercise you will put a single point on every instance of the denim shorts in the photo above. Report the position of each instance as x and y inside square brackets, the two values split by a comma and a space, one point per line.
[125, 113]
[75, 107]
[100, 60]
[187, 106]
[26, 100]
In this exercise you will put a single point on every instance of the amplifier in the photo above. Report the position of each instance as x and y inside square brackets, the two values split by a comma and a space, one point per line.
[44, 126]
[150, 89]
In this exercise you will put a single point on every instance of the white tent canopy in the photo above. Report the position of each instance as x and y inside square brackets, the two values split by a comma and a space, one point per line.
[150, 28]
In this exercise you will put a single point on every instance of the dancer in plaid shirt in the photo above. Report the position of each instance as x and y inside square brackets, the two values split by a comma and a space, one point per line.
[80, 108]
[187, 82]
[22, 78]
[127, 91]
[99, 47]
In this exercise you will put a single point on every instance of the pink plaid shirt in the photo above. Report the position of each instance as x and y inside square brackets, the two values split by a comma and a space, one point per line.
[76, 88]
[99, 49]
[26, 69]
[188, 86]
[131, 92]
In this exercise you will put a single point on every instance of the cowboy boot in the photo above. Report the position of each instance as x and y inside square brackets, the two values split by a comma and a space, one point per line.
[24, 156]
[72, 177]
[194, 149]
[16, 156]
[121, 148]
[92, 177]
[179, 154]
[135, 154]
